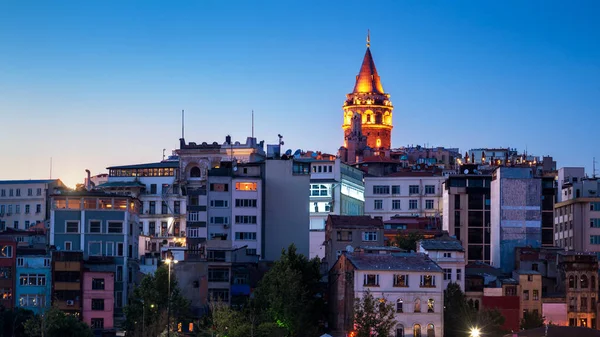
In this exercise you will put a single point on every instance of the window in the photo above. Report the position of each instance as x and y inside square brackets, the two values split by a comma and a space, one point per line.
[97, 323]
[5, 272]
[152, 207]
[153, 189]
[20, 262]
[38, 191]
[417, 307]
[97, 284]
[38, 208]
[192, 232]
[428, 204]
[118, 299]
[378, 204]
[5, 293]
[400, 280]
[119, 248]
[458, 274]
[110, 249]
[536, 295]
[245, 202]
[218, 275]
[16, 224]
[177, 207]
[245, 235]
[429, 189]
[27, 224]
[595, 239]
[95, 227]
[68, 245]
[29, 191]
[318, 190]
[381, 189]
[399, 304]
[97, 304]
[430, 330]
[395, 189]
[396, 204]
[18, 192]
[164, 209]
[369, 236]
[526, 295]
[119, 275]
[534, 267]
[371, 280]
[417, 330]
[3, 193]
[26, 209]
[115, 227]
[447, 255]
[72, 227]
[17, 209]
[447, 274]
[95, 248]
[412, 204]
[427, 281]
[529, 278]
[594, 223]
[430, 305]
[218, 294]
[413, 189]
[244, 186]
[583, 282]
[32, 280]
[11, 193]
[251, 251]
[219, 220]
[32, 300]
[219, 203]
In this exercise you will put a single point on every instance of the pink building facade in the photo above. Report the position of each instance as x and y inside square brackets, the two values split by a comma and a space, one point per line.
[98, 299]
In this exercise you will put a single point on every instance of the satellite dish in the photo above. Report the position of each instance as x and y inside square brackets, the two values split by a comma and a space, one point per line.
[314, 155]
[297, 152]
[288, 152]
[349, 249]
[466, 171]
[235, 169]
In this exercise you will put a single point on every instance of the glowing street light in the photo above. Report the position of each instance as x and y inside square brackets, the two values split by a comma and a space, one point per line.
[169, 261]
[475, 332]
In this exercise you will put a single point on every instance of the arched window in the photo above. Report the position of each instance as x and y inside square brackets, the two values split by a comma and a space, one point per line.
[584, 282]
[399, 330]
[417, 330]
[195, 172]
[593, 284]
[572, 282]
[348, 118]
[430, 330]
[378, 143]
[417, 305]
[399, 304]
[430, 303]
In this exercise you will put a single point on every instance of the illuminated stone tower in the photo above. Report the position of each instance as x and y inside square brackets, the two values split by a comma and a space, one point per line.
[374, 107]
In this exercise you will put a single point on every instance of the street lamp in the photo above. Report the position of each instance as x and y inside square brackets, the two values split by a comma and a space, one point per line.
[169, 261]
[144, 317]
[475, 332]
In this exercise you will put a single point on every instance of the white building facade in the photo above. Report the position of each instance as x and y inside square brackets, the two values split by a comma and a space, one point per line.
[410, 281]
[404, 194]
[449, 254]
[335, 188]
[23, 203]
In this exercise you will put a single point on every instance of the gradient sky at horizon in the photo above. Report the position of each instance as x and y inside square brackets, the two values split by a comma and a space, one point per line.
[94, 84]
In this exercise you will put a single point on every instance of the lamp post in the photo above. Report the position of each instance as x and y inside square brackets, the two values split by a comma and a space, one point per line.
[169, 261]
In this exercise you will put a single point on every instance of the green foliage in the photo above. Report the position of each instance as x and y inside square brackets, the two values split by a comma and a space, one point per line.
[147, 312]
[460, 317]
[407, 242]
[290, 294]
[55, 323]
[532, 320]
[11, 321]
[373, 315]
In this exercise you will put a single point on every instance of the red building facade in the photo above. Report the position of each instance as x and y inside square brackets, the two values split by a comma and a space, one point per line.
[8, 252]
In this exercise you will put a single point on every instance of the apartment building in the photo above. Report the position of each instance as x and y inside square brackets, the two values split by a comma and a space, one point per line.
[23, 203]
[98, 299]
[411, 281]
[67, 274]
[33, 290]
[530, 289]
[405, 193]
[579, 270]
[8, 249]
[449, 254]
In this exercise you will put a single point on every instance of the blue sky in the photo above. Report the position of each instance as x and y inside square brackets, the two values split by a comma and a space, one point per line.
[99, 83]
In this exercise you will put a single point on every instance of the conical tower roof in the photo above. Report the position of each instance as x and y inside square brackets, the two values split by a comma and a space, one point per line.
[368, 80]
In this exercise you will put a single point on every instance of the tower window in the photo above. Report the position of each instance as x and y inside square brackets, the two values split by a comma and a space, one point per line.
[378, 142]
[195, 172]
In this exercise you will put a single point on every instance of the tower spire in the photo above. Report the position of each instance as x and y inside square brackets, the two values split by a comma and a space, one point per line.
[368, 38]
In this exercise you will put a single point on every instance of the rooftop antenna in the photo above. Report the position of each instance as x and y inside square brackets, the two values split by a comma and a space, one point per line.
[182, 124]
[50, 167]
[594, 168]
[368, 38]
[252, 123]
[164, 153]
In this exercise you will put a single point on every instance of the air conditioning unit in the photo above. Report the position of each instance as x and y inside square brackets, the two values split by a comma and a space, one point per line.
[70, 303]
[225, 226]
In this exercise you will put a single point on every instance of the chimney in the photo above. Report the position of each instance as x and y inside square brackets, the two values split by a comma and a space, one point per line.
[88, 182]
[228, 139]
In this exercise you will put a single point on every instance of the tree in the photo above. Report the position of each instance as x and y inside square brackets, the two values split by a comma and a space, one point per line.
[11, 321]
[55, 323]
[459, 316]
[290, 294]
[408, 241]
[373, 315]
[146, 315]
[532, 320]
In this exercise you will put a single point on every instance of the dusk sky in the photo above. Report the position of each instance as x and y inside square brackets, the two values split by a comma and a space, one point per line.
[94, 84]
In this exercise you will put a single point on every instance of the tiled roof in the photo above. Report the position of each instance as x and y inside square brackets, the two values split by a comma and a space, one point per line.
[39, 181]
[368, 80]
[354, 221]
[162, 164]
[396, 261]
[436, 244]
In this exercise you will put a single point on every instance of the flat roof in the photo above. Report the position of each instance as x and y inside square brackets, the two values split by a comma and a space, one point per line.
[162, 164]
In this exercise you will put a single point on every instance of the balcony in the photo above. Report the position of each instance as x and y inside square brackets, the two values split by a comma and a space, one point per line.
[68, 304]
[67, 266]
[67, 286]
